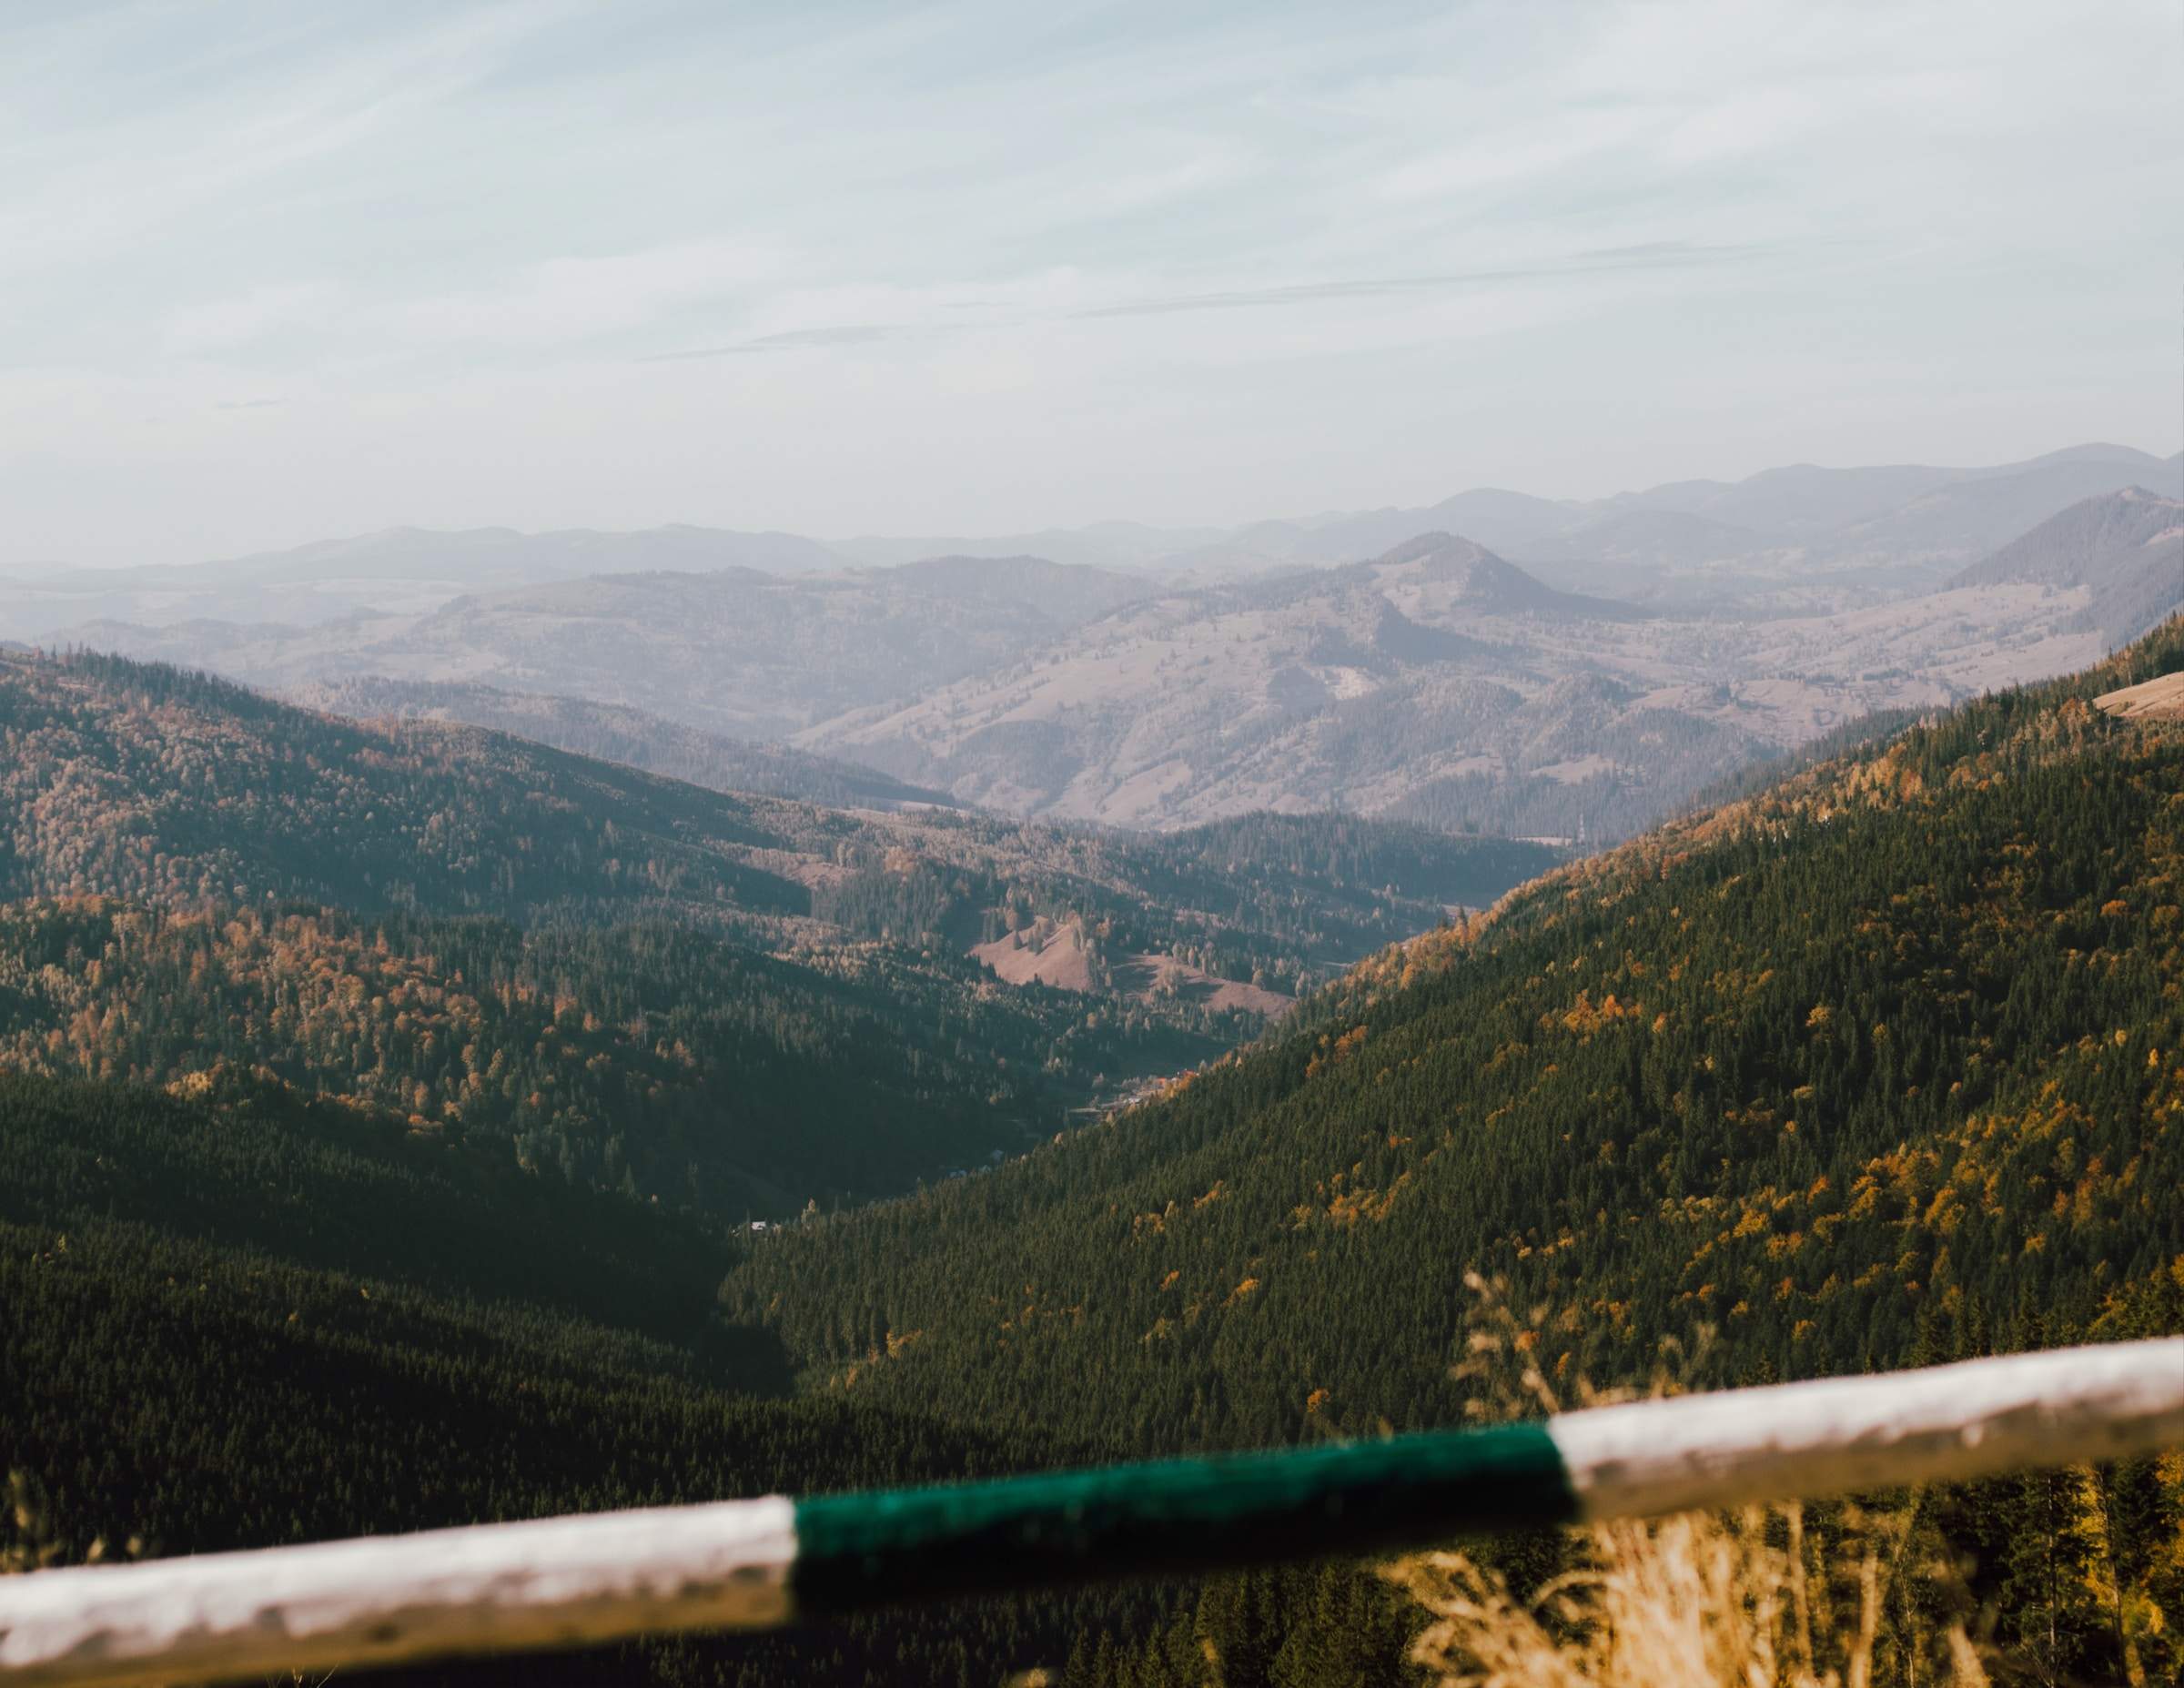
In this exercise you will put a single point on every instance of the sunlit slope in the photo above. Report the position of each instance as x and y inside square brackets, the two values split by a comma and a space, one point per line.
[142, 780]
[1886, 1060]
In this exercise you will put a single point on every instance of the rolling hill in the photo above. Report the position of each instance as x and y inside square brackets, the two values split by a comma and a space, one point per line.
[172, 788]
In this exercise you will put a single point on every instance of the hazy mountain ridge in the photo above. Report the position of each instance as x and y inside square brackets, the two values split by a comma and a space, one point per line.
[733, 651]
[1433, 682]
[2124, 550]
[1832, 520]
[402, 571]
[2087, 543]
[1443, 682]
[628, 736]
[1801, 514]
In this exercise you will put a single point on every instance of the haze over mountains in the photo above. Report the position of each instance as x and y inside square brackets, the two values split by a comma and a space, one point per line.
[1496, 661]
[731, 650]
[1836, 519]
[1841, 520]
[1442, 683]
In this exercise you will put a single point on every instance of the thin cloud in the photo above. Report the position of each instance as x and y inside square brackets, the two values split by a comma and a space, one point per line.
[249, 404]
[795, 340]
[1653, 254]
[1658, 255]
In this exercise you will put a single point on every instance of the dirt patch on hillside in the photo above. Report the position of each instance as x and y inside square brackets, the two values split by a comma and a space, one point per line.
[1025, 958]
[2156, 700]
[1059, 957]
[1152, 975]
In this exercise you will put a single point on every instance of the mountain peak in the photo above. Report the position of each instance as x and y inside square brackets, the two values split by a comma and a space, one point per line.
[1436, 547]
[1479, 577]
[2085, 544]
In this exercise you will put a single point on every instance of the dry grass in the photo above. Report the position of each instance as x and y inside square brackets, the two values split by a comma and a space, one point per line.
[1698, 1601]
[1752, 1598]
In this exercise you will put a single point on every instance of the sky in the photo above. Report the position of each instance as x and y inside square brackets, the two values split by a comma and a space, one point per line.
[272, 273]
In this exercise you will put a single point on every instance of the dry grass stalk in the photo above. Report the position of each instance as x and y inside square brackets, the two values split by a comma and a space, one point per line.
[1747, 1600]
[1698, 1601]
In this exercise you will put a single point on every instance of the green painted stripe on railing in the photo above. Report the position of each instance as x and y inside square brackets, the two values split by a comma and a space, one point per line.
[1173, 1515]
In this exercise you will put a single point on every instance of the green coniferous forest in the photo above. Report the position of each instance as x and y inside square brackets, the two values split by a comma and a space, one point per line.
[1881, 1064]
[1885, 1064]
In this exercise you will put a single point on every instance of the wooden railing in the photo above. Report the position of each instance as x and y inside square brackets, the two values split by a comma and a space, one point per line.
[762, 1563]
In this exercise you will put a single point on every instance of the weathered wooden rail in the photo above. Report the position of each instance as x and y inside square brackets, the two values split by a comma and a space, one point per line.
[759, 1565]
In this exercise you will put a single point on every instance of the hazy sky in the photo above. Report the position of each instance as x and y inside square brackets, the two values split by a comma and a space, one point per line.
[272, 272]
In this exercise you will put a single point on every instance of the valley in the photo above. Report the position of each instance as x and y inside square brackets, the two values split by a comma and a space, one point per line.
[1873, 1064]
[655, 987]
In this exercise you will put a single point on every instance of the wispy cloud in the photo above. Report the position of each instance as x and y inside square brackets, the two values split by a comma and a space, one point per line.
[795, 340]
[1023, 309]
[249, 404]
[1608, 261]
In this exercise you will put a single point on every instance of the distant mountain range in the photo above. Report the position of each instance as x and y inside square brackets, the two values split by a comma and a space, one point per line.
[1443, 684]
[731, 650]
[1667, 639]
[1909, 517]
[1764, 537]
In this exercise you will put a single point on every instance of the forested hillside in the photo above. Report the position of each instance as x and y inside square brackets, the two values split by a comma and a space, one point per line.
[1882, 1063]
[140, 781]
[248, 1320]
[700, 997]
[646, 1059]
[1896, 1035]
